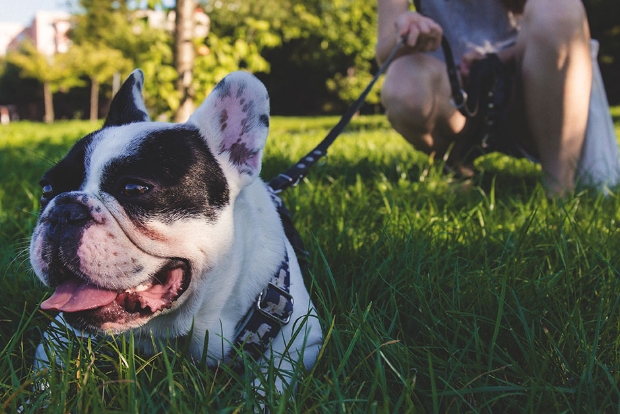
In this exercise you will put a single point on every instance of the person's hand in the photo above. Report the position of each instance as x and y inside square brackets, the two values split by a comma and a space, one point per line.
[421, 33]
[467, 61]
[507, 56]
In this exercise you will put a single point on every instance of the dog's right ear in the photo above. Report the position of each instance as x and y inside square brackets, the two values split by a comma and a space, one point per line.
[128, 106]
[234, 120]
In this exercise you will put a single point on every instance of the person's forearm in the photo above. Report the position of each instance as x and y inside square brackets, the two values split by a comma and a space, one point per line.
[388, 12]
[384, 47]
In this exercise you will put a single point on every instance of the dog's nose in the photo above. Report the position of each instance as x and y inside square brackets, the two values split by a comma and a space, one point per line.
[71, 214]
[67, 220]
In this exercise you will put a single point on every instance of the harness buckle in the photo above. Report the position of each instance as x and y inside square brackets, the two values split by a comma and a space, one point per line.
[278, 311]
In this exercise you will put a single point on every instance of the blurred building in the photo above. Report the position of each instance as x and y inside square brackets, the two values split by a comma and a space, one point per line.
[48, 32]
[9, 32]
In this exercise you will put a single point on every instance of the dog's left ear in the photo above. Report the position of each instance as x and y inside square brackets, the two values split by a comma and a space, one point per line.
[128, 106]
[234, 120]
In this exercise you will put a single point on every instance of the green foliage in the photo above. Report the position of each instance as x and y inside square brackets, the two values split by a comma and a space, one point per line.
[52, 69]
[227, 53]
[435, 294]
[93, 24]
[141, 46]
[157, 62]
[96, 62]
[349, 30]
[152, 50]
[332, 41]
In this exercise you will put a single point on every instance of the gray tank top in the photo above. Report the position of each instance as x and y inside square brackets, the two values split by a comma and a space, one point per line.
[484, 25]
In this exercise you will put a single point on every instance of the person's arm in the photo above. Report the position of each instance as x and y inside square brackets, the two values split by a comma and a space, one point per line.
[395, 21]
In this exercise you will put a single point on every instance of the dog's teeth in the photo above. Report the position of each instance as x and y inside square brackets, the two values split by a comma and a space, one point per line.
[141, 288]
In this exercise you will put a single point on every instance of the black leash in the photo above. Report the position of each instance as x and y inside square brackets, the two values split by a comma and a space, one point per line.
[297, 172]
[483, 99]
[486, 83]
[459, 96]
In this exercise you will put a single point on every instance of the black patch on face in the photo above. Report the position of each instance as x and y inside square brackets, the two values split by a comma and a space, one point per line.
[63, 226]
[69, 173]
[182, 176]
[63, 230]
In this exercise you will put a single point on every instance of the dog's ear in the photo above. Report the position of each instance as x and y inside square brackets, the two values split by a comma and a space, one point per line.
[234, 119]
[128, 106]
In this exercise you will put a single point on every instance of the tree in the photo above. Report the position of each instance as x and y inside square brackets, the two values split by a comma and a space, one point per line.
[350, 31]
[140, 44]
[325, 51]
[50, 71]
[240, 49]
[99, 64]
[184, 57]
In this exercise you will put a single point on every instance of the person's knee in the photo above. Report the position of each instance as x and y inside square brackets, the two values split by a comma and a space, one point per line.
[546, 23]
[409, 91]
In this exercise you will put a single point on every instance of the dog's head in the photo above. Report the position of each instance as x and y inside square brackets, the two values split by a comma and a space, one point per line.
[138, 210]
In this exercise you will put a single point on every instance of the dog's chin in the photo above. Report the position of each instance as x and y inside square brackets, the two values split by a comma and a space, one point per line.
[114, 312]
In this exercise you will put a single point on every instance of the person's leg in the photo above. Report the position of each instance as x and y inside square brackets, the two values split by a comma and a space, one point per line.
[416, 96]
[553, 54]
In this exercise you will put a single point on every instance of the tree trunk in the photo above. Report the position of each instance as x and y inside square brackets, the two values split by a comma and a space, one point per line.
[48, 100]
[184, 57]
[94, 99]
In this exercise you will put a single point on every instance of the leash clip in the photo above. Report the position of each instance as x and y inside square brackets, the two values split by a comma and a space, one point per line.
[461, 105]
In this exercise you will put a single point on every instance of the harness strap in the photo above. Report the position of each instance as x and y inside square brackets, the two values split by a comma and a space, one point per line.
[274, 305]
[273, 309]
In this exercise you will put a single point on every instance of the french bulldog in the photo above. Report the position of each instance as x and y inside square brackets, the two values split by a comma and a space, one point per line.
[166, 230]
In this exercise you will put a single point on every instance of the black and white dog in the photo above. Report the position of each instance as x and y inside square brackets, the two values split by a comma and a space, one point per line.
[166, 230]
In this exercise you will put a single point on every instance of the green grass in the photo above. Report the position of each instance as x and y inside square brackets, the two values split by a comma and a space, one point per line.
[436, 295]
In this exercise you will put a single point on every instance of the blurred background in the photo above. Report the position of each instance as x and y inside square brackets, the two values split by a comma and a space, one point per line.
[64, 59]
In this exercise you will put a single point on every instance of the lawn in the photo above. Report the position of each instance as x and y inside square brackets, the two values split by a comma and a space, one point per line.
[435, 294]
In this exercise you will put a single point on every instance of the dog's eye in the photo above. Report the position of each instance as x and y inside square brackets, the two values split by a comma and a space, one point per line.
[135, 189]
[47, 191]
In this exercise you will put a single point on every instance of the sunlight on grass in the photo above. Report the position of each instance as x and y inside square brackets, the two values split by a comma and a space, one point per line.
[435, 294]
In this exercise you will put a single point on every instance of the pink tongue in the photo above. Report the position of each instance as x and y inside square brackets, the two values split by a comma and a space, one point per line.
[76, 295]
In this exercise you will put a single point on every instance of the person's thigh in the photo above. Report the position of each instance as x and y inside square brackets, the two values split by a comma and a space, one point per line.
[550, 31]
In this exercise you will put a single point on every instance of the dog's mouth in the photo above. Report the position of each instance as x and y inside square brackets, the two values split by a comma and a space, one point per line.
[91, 307]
